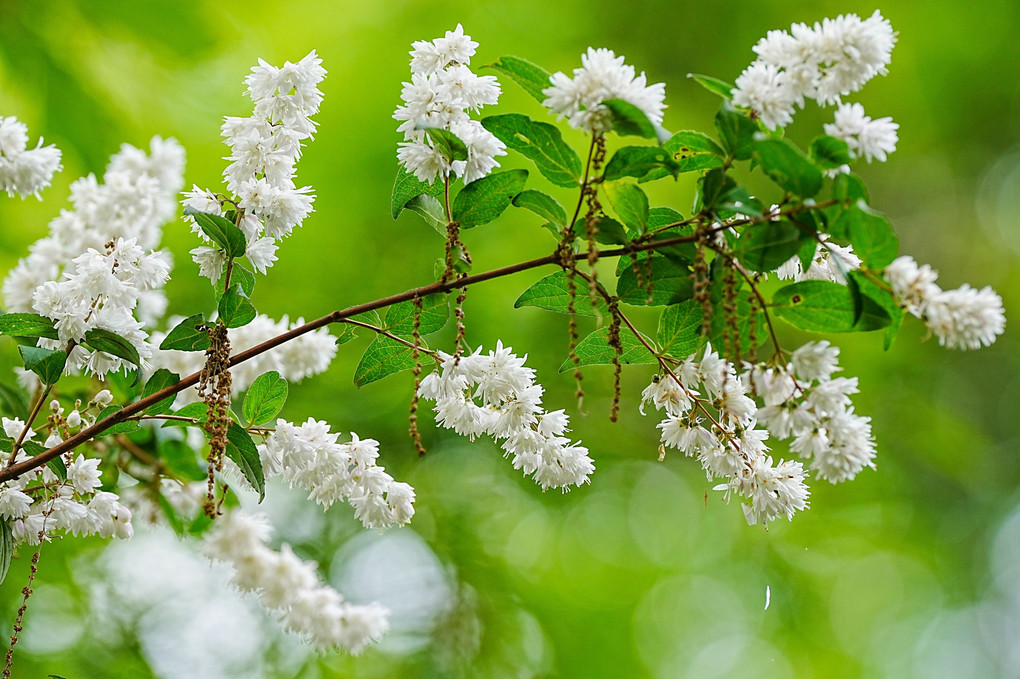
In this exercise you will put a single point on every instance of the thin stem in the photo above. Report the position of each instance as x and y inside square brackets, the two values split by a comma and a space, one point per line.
[384, 333]
[28, 425]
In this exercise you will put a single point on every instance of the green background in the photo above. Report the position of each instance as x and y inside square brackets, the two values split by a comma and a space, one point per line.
[909, 571]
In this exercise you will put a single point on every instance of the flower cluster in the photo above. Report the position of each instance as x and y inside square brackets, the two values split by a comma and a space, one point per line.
[726, 441]
[602, 76]
[309, 456]
[823, 62]
[442, 90]
[831, 262]
[304, 356]
[97, 267]
[964, 318]
[24, 171]
[39, 503]
[510, 409]
[264, 150]
[289, 584]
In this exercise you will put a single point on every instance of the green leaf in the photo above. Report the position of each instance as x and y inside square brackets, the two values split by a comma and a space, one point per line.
[628, 119]
[197, 410]
[181, 459]
[48, 364]
[435, 310]
[171, 515]
[871, 235]
[6, 547]
[671, 282]
[643, 162]
[239, 275]
[58, 467]
[736, 132]
[112, 343]
[484, 200]
[531, 77]
[242, 450]
[223, 232]
[595, 350]
[610, 231]
[788, 167]
[406, 186]
[543, 205]
[885, 299]
[630, 204]
[849, 188]
[119, 428]
[715, 186]
[765, 247]
[694, 151]
[14, 400]
[431, 210]
[235, 310]
[27, 325]
[680, 329]
[713, 85]
[191, 334]
[161, 379]
[383, 357]
[265, 398]
[552, 293]
[447, 143]
[829, 153]
[541, 142]
[824, 306]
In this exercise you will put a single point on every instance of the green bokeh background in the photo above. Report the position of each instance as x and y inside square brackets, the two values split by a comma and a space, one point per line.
[909, 571]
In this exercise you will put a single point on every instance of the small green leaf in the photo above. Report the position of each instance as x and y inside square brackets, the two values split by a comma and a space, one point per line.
[191, 334]
[736, 132]
[161, 379]
[222, 232]
[680, 329]
[406, 186]
[788, 167]
[715, 186]
[829, 153]
[543, 205]
[630, 204]
[14, 400]
[431, 210]
[871, 235]
[824, 306]
[27, 325]
[552, 293]
[111, 343]
[6, 547]
[235, 309]
[671, 282]
[531, 77]
[595, 350]
[48, 364]
[694, 151]
[485, 199]
[849, 188]
[119, 428]
[765, 247]
[643, 162]
[239, 275]
[242, 450]
[435, 310]
[885, 299]
[628, 119]
[383, 357]
[265, 398]
[713, 85]
[197, 410]
[58, 467]
[610, 231]
[541, 142]
[447, 143]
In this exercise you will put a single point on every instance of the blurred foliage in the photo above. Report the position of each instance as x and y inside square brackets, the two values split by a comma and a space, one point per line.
[901, 573]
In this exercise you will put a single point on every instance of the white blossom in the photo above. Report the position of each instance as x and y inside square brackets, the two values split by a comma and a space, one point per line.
[867, 138]
[24, 171]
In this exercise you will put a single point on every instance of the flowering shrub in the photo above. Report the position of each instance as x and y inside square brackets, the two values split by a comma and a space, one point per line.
[155, 430]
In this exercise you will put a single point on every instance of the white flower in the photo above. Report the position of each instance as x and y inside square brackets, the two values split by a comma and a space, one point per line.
[24, 171]
[84, 474]
[767, 91]
[602, 75]
[431, 57]
[815, 360]
[966, 318]
[871, 139]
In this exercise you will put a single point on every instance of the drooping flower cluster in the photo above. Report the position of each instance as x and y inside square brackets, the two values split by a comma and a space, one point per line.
[289, 584]
[264, 150]
[304, 356]
[442, 90]
[40, 503]
[309, 456]
[831, 262]
[24, 171]
[97, 267]
[964, 318]
[710, 416]
[602, 76]
[510, 409]
[824, 62]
